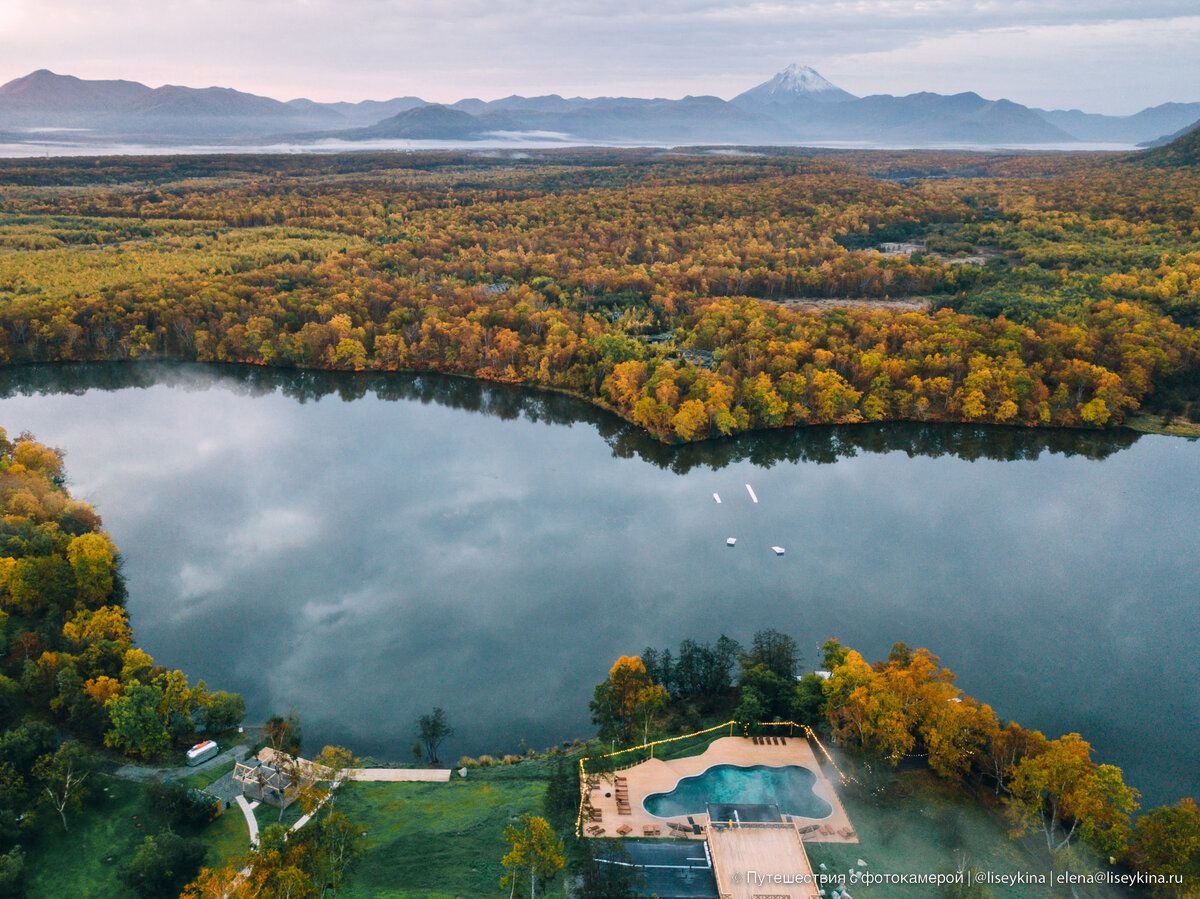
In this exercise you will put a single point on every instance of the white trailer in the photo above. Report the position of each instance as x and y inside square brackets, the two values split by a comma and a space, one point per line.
[202, 752]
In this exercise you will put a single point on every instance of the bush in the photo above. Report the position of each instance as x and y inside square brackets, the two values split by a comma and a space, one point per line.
[163, 865]
[467, 762]
[224, 711]
[486, 761]
[12, 873]
[183, 807]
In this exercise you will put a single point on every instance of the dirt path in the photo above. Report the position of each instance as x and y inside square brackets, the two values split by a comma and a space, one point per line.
[146, 774]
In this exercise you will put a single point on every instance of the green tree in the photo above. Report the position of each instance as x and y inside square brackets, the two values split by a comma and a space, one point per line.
[183, 807]
[775, 651]
[62, 777]
[535, 853]
[12, 872]
[162, 865]
[1064, 792]
[433, 730]
[1166, 841]
[808, 700]
[284, 733]
[562, 798]
[750, 709]
[616, 701]
[223, 711]
[137, 725]
[651, 702]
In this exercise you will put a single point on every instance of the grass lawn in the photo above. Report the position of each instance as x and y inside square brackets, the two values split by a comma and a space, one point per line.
[202, 779]
[435, 840]
[269, 814]
[83, 862]
[227, 838]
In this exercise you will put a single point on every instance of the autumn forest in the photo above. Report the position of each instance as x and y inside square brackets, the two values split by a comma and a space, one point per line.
[695, 295]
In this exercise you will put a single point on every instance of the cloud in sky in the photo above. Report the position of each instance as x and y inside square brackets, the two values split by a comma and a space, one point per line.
[1103, 55]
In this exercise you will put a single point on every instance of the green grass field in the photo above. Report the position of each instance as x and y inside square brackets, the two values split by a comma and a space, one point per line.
[84, 861]
[439, 840]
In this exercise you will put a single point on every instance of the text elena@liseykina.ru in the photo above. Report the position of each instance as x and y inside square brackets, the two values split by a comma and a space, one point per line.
[949, 878]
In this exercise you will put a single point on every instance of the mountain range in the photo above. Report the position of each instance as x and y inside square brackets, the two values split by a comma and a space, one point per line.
[795, 106]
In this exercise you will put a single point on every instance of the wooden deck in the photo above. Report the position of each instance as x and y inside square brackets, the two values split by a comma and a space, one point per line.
[658, 776]
[756, 861]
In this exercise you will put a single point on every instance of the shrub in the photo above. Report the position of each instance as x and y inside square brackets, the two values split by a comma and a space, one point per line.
[163, 865]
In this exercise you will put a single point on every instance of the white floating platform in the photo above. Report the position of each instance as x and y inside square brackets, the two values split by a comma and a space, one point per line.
[732, 541]
[750, 490]
[778, 550]
[717, 498]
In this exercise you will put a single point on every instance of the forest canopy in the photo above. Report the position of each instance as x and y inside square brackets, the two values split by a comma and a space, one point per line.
[695, 295]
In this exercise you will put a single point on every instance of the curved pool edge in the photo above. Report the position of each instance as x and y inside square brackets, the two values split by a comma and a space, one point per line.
[817, 778]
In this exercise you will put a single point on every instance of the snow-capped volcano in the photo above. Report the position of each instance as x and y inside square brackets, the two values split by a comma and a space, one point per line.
[800, 80]
[794, 82]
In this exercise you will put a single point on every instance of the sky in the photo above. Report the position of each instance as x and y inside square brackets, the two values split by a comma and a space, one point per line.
[1112, 56]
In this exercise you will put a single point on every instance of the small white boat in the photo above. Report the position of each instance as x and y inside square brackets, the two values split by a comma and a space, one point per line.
[717, 498]
[731, 541]
[750, 490]
[779, 550]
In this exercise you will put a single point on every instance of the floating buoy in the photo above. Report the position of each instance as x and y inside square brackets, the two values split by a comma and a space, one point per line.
[750, 490]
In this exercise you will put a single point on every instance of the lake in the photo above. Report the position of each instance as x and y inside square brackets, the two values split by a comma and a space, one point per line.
[362, 548]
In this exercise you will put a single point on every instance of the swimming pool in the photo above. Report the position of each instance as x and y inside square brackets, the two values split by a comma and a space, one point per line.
[790, 787]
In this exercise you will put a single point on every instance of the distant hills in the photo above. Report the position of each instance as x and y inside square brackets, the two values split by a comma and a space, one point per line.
[1182, 150]
[795, 106]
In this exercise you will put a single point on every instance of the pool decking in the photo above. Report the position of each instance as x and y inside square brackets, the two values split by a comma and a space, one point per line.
[659, 776]
[761, 861]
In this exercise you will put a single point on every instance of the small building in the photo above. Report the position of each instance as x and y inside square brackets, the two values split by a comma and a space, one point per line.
[274, 785]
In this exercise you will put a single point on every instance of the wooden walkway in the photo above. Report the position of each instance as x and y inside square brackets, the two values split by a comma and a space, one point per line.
[759, 861]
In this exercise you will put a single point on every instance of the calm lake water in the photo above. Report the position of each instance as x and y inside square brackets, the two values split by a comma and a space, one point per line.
[364, 548]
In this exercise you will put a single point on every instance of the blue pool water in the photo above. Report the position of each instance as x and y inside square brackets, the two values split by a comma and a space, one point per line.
[789, 787]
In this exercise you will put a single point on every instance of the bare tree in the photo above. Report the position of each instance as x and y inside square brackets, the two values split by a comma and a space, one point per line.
[63, 775]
